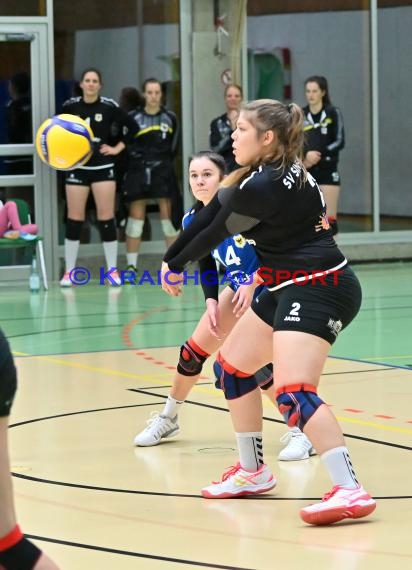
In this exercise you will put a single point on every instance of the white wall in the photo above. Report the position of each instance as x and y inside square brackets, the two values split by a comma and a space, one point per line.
[336, 45]
[115, 53]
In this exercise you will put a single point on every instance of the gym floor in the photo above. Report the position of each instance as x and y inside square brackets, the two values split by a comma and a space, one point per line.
[95, 361]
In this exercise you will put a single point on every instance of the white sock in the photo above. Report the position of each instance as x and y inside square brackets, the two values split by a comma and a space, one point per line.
[250, 450]
[339, 466]
[132, 259]
[172, 407]
[71, 249]
[110, 253]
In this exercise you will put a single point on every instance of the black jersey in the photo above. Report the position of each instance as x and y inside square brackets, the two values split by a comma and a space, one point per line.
[220, 140]
[19, 131]
[324, 132]
[109, 124]
[280, 212]
[18, 121]
[156, 137]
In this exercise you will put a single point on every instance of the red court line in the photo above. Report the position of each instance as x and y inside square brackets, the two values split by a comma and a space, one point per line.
[126, 332]
[126, 337]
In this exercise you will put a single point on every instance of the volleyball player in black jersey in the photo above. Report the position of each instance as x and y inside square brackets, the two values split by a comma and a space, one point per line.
[324, 138]
[16, 551]
[151, 174]
[111, 126]
[312, 294]
[222, 127]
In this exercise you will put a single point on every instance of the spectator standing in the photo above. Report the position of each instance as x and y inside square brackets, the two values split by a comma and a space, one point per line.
[110, 126]
[130, 98]
[223, 126]
[151, 174]
[19, 122]
[324, 138]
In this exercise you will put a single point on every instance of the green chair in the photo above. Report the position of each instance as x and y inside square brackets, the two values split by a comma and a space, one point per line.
[6, 243]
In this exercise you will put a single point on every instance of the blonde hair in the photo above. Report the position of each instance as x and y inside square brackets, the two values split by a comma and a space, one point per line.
[285, 121]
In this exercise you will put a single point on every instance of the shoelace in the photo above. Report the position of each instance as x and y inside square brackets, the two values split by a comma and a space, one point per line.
[286, 437]
[330, 494]
[232, 470]
[154, 417]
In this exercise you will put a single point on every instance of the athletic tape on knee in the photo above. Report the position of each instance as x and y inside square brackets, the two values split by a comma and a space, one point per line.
[168, 228]
[233, 382]
[73, 229]
[297, 403]
[134, 227]
[107, 229]
[191, 359]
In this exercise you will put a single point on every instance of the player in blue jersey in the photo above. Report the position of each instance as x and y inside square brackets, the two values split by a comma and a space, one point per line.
[206, 171]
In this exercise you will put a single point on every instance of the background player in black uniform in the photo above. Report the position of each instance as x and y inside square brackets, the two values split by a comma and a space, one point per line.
[278, 206]
[151, 173]
[130, 98]
[223, 126]
[324, 138]
[19, 123]
[109, 125]
[16, 551]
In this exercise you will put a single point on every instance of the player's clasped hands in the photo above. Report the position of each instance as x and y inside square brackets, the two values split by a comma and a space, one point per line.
[171, 281]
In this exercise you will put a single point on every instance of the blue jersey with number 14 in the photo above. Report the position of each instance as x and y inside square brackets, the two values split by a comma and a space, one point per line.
[234, 253]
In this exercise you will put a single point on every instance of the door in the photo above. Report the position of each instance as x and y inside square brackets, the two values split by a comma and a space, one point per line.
[26, 99]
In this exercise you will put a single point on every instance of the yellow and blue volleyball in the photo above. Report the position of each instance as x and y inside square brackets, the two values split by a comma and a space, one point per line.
[64, 142]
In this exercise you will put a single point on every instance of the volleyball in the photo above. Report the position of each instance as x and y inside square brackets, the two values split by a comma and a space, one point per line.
[64, 142]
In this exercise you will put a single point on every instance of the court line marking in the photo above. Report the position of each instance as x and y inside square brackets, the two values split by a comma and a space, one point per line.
[136, 554]
[387, 357]
[367, 361]
[108, 371]
[345, 419]
[317, 544]
[153, 377]
[145, 355]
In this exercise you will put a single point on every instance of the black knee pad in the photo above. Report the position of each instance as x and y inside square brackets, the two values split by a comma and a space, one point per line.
[8, 377]
[23, 555]
[73, 229]
[191, 359]
[107, 229]
[297, 403]
[264, 376]
[233, 382]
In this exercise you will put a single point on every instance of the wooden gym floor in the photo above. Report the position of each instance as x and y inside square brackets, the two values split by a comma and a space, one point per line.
[95, 361]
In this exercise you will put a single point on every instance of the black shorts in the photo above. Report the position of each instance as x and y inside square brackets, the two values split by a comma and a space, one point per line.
[149, 183]
[325, 175]
[319, 309]
[83, 177]
[8, 377]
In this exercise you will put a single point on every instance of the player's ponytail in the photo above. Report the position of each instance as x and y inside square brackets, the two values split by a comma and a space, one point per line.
[235, 177]
[295, 135]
